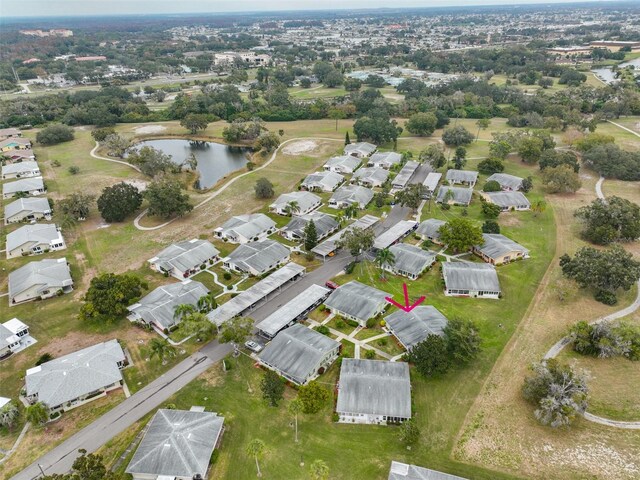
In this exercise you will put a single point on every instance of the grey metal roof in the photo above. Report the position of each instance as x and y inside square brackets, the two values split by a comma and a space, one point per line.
[411, 259]
[29, 204]
[23, 185]
[414, 326]
[461, 195]
[508, 199]
[258, 255]
[374, 387]
[385, 159]
[506, 181]
[305, 200]
[405, 174]
[371, 175]
[352, 194]
[348, 162]
[364, 148]
[326, 180]
[15, 168]
[403, 471]
[496, 245]
[470, 276]
[324, 223]
[178, 443]
[254, 294]
[330, 244]
[395, 233]
[185, 255]
[47, 274]
[297, 351]
[41, 233]
[159, 305]
[247, 226]
[356, 299]
[432, 180]
[76, 374]
[430, 228]
[468, 176]
[291, 310]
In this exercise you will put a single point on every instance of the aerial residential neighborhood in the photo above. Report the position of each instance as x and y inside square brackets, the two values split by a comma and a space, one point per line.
[326, 242]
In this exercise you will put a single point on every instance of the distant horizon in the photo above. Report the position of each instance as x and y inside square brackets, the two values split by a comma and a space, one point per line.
[128, 8]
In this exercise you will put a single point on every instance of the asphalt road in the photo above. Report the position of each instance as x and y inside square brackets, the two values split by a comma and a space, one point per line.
[121, 417]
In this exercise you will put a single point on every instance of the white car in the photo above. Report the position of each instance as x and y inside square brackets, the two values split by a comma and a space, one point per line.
[253, 346]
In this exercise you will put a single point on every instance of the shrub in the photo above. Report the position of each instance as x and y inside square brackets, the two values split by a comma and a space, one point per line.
[226, 276]
[339, 323]
[352, 323]
[323, 329]
[74, 170]
[491, 186]
[369, 354]
[606, 297]
[54, 134]
[383, 342]
[371, 323]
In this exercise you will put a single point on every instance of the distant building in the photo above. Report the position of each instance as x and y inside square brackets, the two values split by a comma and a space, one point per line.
[322, 181]
[92, 58]
[370, 177]
[295, 230]
[306, 202]
[344, 164]
[462, 177]
[257, 258]
[498, 249]
[616, 45]
[351, 195]
[360, 149]
[454, 195]
[57, 32]
[508, 200]
[507, 182]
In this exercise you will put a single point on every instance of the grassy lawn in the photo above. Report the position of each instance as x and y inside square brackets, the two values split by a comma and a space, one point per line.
[207, 280]
[339, 324]
[388, 345]
[348, 349]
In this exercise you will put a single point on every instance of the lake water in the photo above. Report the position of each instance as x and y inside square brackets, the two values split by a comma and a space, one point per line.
[215, 160]
[607, 75]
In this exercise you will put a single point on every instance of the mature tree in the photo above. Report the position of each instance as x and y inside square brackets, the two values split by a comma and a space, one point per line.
[313, 397]
[206, 303]
[152, 161]
[167, 199]
[430, 356]
[490, 226]
[333, 79]
[319, 470]
[490, 210]
[272, 387]
[491, 186]
[483, 124]
[460, 234]
[554, 158]
[408, 432]
[264, 188]
[463, 340]
[460, 158]
[593, 140]
[530, 149]
[295, 408]
[561, 179]
[500, 149]
[558, 392]
[434, 155]
[9, 415]
[422, 124]
[527, 184]
[54, 134]
[236, 330]
[87, 467]
[196, 324]
[603, 340]
[378, 129]
[256, 449]
[347, 140]
[605, 271]
[116, 145]
[612, 220]
[490, 166]
[119, 201]
[109, 295]
[161, 348]
[194, 122]
[357, 241]
[100, 134]
[337, 114]
[385, 257]
[411, 196]
[310, 236]
[37, 414]
[268, 141]
[457, 136]
[76, 206]
[611, 161]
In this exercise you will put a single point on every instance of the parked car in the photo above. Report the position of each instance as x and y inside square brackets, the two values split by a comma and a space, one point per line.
[331, 285]
[253, 346]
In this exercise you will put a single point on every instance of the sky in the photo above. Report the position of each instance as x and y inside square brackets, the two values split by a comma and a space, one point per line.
[40, 8]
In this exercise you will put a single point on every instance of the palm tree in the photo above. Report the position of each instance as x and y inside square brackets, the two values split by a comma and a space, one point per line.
[255, 449]
[182, 311]
[383, 258]
[319, 470]
[292, 207]
[206, 303]
[295, 407]
[196, 324]
[161, 349]
[351, 211]
[539, 207]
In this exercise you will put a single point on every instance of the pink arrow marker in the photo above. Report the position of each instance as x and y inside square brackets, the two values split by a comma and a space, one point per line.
[406, 307]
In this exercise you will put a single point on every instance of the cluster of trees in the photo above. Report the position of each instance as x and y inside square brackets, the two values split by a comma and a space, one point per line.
[88, 467]
[606, 339]
[54, 134]
[460, 234]
[119, 201]
[109, 295]
[612, 220]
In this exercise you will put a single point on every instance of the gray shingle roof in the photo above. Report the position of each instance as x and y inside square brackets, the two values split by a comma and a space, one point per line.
[395, 233]
[42, 233]
[185, 255]
[347, 162]
[506, 181]
[364, 148]
[297, 352]
[76, 374]
[371, 176]
[496, 245]
[461, 195]
[326, 181]
[352, 194]
[47, 274]
[159, 305]
[468, 176]
[324, 223]
[414, 326]
[470, 276]
[405, 174]
[23, 185]
[178, 443]
[357, 299]
[374, 387]
[385, 159]
[430, 228]
[258, 255]
[403, 471]
[20, 167]
[30, 204]
[508, 199]
[247, 226]
[305, 200]
[411, 259]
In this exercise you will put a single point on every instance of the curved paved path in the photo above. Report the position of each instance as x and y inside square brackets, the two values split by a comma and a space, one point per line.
[214, 194]
[113, 160]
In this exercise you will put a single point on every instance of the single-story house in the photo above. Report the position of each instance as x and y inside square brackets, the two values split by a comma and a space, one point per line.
[508, 200]
[329, 246]
[306, 203]
[292, 311]
[458, 195]
[370, 177]
[299, 354]
[410, 261]
[466, 279]
[498, 249]
[31, 186]
[295, 229]
[77, 378]
[177, 445]
[13, 335]
[430, 230]
[462, 177]
[183, 259]
[384, 160]
[359, 149]
[402, 179]
[9, 133]
[13, 156]
[351, 195]
[14, 143]
[158, 307]
[357, 301]
[257, 258]
[34, 239]
[411, 328]
[246, 228]
[29, 168]
[431, 184]
[345, 164]
[403, 471]
[507, 182]
[39, 280]
[395, 233]
[322, 181]
[373, 392]
[27, 210]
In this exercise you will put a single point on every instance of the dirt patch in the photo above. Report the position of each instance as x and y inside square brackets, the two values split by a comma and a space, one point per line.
[87, 274]
[71, 342]
[510, 219]
[302, 146]
[150, 129]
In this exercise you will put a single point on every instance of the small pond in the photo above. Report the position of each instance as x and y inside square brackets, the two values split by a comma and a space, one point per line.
[607, 75]
[215, 160]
